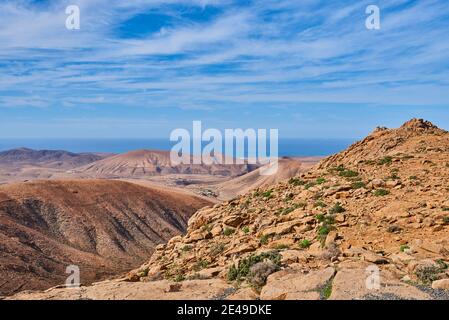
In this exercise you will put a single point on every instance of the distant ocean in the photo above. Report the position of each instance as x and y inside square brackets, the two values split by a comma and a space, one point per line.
[287, 147]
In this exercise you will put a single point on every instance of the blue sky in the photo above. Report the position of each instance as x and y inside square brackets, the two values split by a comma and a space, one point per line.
[141, 68]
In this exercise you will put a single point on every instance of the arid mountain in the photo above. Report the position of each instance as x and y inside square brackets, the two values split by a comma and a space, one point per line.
[47, 158]
[141, 163]
[369, 223]
[287, 168]
[104, 227]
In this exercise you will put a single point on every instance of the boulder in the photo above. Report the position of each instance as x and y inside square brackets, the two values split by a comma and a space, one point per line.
[441, 284]
[372, 284]
[294, 285]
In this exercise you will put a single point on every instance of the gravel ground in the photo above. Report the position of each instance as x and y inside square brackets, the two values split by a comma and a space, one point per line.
[435, 294]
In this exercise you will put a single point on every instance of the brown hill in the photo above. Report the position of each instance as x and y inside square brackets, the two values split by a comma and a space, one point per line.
[47, 158]
[287, 168]
[369, 223]
[104, 227]
[143, 163]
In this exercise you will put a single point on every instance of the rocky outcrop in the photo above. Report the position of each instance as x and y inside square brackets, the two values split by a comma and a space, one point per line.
[368, 223]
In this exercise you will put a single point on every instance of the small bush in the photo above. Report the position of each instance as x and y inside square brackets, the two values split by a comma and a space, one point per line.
[207, 228]
[186, 248]
[358, 185]
[348, 174]
[413, 178]
[200, 265]
[326, 291]
[385, 161]
[264, 240]
[320, 181]
[304, 244]
[245, 230]
[320, 217]
[309, 185]
[320, 204]
[446, 220]
[404, 247]
[244, 267]
[324, 231]
[286, 211]
[228, 232]
[340, 168]
[337, 208]
[296, 182]
[268, 194]
[381, 192]
[217, 249]
[445, 208]
[428, 274]
[179, 278]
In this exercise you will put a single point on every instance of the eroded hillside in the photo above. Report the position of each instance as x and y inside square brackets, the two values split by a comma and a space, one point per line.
[104, 227]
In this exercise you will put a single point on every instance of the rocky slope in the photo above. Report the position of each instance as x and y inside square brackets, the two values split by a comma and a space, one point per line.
[104, 227]
[369, 223]
[141, 163]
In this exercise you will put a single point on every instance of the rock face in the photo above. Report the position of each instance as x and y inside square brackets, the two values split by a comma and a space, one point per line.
[104, 227]
[378, 208]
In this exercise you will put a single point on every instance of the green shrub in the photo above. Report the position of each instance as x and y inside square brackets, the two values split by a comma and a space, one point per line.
[385, 161]
[324, 230]
[337, 208]
[304, 244]
[228, 232]
[264, 240]
[340, 168]
[268, 194]
[207, 227]
[186, 248]
[320, 181]
[309, 185]
[233, 273]
[326, 291]
[446, 220]
[428, 274]
[179, 278]
[445, 208]
[404, 247]
[200, 265]
[381, 192]
[245, 230]
[348, 174]
[217, 249]
[320, 204]
[320, 217]
[244, 266]
[287, 211]
[358, 185]
[296, 182]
